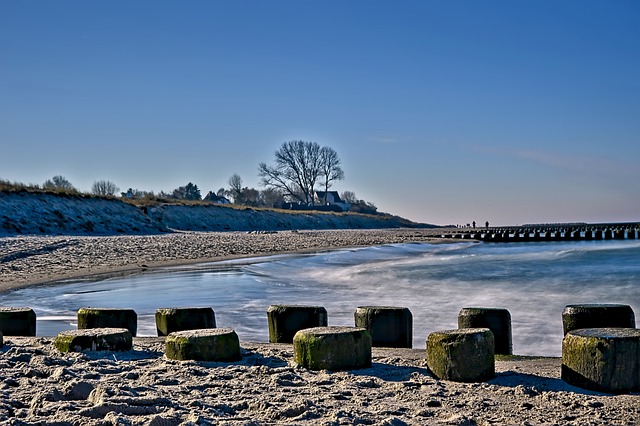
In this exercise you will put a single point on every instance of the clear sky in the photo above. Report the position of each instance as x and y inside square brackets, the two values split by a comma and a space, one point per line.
[442, 111]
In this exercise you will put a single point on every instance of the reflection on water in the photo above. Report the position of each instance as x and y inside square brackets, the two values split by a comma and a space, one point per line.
[533, 280]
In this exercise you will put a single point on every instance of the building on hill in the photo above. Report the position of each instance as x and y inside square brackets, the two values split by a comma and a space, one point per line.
[331, 198]
[213, 198]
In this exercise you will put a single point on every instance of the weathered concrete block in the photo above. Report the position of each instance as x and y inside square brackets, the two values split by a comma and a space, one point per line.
[389, 326]
[497, 320]
[602, 359]
[17, 321]
[211, 344]
[332, 348]
[108, 318]
[575, 317]
[286, 320]
[465, 355]
[94, 339]
[169, 320]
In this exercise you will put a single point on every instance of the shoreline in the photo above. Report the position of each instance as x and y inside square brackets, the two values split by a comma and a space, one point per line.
[142, 386]
[27, 261]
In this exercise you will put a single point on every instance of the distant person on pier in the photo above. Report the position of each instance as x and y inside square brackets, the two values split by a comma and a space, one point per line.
[474, 224]
[486, 224]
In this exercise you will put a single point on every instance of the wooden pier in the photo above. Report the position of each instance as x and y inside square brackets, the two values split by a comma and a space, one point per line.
[549, 232]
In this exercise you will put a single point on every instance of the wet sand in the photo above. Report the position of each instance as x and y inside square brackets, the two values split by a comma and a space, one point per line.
[30, 260]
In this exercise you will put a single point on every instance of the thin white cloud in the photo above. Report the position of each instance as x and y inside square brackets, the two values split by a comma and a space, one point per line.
[385, 140]
[582, 164]
[576, 163]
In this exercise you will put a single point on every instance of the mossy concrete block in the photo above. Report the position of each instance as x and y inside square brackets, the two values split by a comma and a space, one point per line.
[464, 355]
[389, 326]
[332, 348]
[286, 320]
[602, 359]
[17, 321]
[212, 344]
[575, 317]
[169, 320]
[108, 318]
[498, 320]
[94, 339]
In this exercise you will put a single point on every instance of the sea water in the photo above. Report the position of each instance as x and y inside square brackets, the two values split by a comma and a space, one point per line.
[534, 281]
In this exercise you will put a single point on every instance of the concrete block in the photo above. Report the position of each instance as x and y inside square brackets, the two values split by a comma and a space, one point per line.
[602, 359]
[169, 320]
[286, 320]
[108, 318]
[389, 326]
[332, 348]
[465, 355]
[211, 344]
[17, 321]
[597, 315]
[497, 320]
[94, 339]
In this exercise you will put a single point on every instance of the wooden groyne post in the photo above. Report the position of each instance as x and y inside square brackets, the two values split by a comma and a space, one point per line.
[550, 232]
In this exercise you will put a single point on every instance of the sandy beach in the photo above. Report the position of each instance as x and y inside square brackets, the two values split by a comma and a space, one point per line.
[40, 385]
[142, 387]
[30, 260]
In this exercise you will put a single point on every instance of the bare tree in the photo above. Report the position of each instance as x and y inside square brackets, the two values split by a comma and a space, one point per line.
[349, 197]
[297, 167]
[104, 188]
[59, 182]
[251, 197]
[272, 197]
[330, 167]
[235, 188]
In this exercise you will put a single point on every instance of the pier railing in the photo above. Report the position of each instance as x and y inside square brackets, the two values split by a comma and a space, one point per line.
[549, 232]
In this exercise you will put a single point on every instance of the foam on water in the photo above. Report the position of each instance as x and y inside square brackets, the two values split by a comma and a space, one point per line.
[533, 280]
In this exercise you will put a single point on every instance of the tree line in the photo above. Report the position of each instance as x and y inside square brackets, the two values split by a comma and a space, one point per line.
[300, 169]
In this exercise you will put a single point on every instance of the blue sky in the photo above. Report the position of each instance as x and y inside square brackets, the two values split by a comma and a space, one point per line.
[442, 112]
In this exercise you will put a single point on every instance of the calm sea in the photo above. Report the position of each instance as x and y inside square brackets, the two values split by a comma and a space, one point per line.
[534, 281]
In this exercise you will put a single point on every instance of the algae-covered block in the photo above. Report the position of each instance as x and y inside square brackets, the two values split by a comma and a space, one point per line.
[464, 355]
[602, 359]
[332, 348]
[169, 320]
[286, 320]
[108, 318]
[17, 321]
[212, 344]
[94, 339]
[597, 315]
